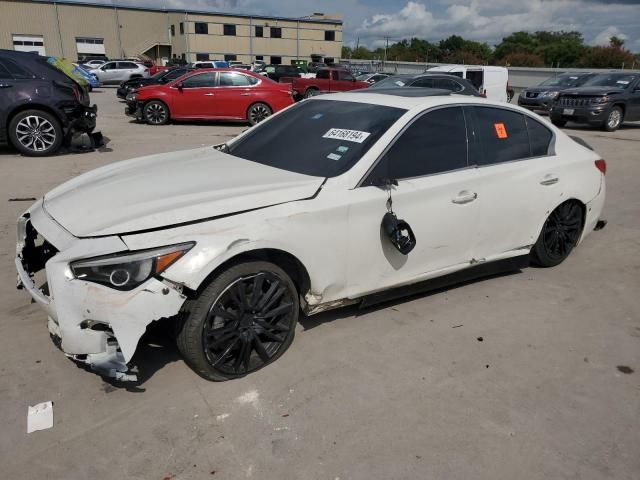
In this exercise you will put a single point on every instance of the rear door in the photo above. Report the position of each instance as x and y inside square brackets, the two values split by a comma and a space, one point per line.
[196, 98]
[127, 69]
[519, 180]
[234, 93]
[436, 195]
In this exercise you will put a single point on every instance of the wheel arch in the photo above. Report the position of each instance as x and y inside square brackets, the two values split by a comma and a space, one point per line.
[285, 260]
[34, 106]
[264, 102]
[622, 107]
[146, 101]
[574, 199]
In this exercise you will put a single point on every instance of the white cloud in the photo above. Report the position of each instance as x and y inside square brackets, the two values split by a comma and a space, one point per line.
[603, 37]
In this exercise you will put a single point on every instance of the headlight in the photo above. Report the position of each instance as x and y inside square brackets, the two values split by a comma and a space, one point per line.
[128, 270]
[551, 95]
[131, 97]
[598, 100]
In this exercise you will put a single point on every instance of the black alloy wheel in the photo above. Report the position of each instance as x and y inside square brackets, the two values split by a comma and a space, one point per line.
[244, 320]
[156, 113]
[257, 113]
[560, 234]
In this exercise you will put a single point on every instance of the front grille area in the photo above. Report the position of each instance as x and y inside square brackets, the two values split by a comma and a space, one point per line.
[575, 101]
[37, 250]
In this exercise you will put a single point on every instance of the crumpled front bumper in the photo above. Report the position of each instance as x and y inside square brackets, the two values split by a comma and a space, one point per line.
[95, 324]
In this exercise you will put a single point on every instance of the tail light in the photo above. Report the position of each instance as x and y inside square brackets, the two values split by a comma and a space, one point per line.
[602, 166]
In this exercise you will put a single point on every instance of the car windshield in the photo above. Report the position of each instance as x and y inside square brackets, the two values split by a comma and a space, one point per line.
[564, 81]
[333, 136]
[612, 80]
[392, 82]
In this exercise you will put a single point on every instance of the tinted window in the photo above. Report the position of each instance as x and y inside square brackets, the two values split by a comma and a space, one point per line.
[202, 28]
[539, 137]
[322, 74]
[202, 56]
[173, 74]
[276, 32]
[335, 136]
[329, 35]
[276, 60]
[425, 82]
[259, 32]
[15, 70]
[127, 65]
[229, 29]
[109, 66]
[436, 142]
[228, 79]
[342, 75]
[229, 57]
[502, 134]
[448, 84]
[201, 80]
[4, 71]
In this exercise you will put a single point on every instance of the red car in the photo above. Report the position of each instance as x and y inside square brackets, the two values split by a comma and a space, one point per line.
[327, 80]
[210, 94]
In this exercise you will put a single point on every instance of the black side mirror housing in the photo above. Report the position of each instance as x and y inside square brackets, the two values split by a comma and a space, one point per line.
[180, 86]
[399, 233]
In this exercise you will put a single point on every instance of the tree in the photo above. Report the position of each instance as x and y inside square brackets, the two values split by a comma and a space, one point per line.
[521, 59]
[606, 57]
[616, 42]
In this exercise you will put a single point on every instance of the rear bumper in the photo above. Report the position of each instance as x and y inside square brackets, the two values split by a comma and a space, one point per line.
[81, 120]
[594, 210]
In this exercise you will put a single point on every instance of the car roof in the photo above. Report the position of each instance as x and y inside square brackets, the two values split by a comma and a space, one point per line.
[410, 102]
[409, 92]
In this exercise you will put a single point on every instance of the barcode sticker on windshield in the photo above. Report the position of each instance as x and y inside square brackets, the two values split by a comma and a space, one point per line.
[348, 135]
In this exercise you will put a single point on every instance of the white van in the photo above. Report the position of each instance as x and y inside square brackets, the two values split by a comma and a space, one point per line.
[492, 81]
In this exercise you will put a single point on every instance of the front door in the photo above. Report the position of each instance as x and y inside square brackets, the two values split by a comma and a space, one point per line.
[196, 98]
[436, 195]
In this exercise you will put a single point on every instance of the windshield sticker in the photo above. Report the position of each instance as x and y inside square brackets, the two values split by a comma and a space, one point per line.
[317, 116]
[342, 149]
[501, 131]
[355, 136]
[573, 78]
[333, 156]
[399, 83]
[623, 82]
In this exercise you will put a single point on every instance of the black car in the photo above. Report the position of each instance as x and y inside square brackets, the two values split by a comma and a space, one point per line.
[605, 100]
[276, 72]
[440, 81]
[40, 106]
[541, 96]
[163, 76]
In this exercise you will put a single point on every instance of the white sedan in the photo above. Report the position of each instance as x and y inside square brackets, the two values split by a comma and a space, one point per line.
[336, 200]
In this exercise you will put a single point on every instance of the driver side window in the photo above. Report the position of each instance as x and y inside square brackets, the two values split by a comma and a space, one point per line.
[434, 143]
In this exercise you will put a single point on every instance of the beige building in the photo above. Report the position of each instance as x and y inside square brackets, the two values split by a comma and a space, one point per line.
[74, 30]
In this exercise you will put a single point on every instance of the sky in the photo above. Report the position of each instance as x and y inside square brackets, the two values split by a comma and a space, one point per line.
[370, 21]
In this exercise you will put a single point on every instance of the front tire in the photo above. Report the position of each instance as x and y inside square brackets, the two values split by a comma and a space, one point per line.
[242, 321]
[155, 113]
[35, 133]
[559, 236]
[614, 120]
[257, 113]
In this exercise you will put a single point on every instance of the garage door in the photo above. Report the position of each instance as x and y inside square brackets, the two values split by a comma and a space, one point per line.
[29, 43]
[90, 46]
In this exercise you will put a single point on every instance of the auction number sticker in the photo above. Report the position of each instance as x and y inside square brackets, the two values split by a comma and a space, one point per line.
[501, 131]
[348, 135]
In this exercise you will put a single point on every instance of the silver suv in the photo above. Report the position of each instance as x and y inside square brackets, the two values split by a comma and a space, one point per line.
[116, 72]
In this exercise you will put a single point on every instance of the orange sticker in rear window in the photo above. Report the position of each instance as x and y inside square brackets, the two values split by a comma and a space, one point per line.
[501, 132]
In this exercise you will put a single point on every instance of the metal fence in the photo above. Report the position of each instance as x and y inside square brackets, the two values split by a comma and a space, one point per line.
[519, 77]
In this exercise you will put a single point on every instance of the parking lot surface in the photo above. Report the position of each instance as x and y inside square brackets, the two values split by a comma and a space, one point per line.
[530, 375]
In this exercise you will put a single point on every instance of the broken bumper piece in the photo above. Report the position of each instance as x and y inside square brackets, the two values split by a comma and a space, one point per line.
[93, 324]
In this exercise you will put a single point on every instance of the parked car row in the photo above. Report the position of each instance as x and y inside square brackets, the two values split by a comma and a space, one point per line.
[603, 100]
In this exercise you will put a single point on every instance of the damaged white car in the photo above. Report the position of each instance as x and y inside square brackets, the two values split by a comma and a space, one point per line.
[336, 200]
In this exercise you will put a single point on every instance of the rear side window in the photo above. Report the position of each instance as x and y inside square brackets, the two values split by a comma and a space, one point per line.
[13, 69]
[425, 82]
[539, 137]
[448, 84]
[228, 79]
[434, 143]
[4, 71]
[127, 65]
[503, 135]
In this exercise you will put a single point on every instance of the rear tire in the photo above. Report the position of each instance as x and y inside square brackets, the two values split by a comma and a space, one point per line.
[559, 236]
[614, 120]
[310, 92]
[257, 113]
[155, 112]
[35, 133]
[242, 321]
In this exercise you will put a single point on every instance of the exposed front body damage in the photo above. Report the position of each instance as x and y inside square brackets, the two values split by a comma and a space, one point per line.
[328, 228]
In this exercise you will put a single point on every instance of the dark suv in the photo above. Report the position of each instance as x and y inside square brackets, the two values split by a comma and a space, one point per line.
[281, 71]
[162, 77]
[605, 100]
[441, 81]
[40, 106]
[541, 96]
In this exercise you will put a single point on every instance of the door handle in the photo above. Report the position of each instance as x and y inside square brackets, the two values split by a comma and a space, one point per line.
[209, 94]
[245, 94]
[465, 197]
[549, 179]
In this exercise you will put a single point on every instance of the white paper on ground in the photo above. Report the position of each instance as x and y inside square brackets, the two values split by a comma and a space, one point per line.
[40, 417]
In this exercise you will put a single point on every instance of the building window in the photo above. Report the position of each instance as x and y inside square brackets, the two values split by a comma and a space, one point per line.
[330, 35]
[276, 32]
[202, 28]
[229, 29]
[229, 57]
[259, 57]
[181, 28]
[173, 30]
[202, 57]
[259, 32]
[276, 60]
[183, 56]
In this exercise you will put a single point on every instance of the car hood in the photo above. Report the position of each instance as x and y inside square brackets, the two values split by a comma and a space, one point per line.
[169, 189]
[542, 89]
[592, 91]
[141, 81]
